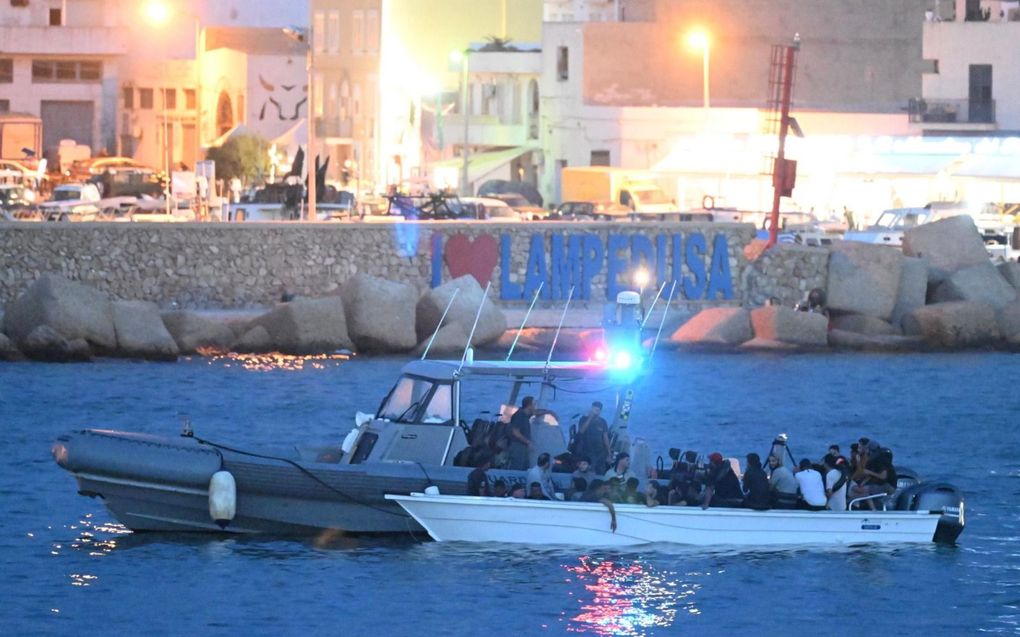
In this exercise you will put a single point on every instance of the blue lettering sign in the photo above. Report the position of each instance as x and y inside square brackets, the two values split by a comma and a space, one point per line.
[536, 274]
[437, 259]
[678, 263]
[508, 290]
[593, 254]
[616, 265]
[642, 254]
[661, 252]
[694, 287]
[719, 278]
[565, 270]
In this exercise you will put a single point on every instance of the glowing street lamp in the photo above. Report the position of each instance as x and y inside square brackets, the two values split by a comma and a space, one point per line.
[699, 40]
[156, 12]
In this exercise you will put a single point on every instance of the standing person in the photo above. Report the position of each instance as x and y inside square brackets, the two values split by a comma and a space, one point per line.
[541, 474]
[478, 480]
[235, 190]
[756, 485]
[593, 438]
[836, 480]
[520, 434]
[812, 489]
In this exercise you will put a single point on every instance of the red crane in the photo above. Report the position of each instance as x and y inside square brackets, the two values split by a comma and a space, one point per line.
[784, 171]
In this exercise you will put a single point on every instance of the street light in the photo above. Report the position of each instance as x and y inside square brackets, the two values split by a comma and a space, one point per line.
[699, 40]
[305, 36]
[462, 58]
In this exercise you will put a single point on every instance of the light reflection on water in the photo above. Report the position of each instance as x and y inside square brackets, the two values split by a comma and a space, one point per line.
[276, 361]
[627, 597]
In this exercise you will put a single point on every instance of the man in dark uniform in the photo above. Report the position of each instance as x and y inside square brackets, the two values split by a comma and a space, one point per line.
[520, 434]
[478, 480]
[721, 483]
[593, 438]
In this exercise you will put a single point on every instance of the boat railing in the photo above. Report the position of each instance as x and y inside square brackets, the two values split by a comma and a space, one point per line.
[877, 496]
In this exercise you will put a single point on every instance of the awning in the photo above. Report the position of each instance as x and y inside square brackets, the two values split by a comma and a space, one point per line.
[991, 167]
[481, 166]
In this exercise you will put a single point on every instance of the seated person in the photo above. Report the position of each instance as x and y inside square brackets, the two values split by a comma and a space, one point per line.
[756, 485]
[879, 477]
[631, 495]
[583, 469]
[598, 490]
[683, 484]
[783, 485]
[499, 489]
[518, 491]
[812, 487]
[577, 490]
[478, 480]
[651, 494]
[535, 492]
[620, 468]
[721, 483]
[542, 474]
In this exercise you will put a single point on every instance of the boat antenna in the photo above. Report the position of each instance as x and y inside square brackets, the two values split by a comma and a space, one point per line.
[556, 337]
[662, 321]
[525, 321]
[440, 323]
[478, 314]
[652, 306]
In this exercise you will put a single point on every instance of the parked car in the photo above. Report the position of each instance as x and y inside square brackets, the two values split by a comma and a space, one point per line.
[488, 208]
[525, 209]
[590, 211]
[72, 202]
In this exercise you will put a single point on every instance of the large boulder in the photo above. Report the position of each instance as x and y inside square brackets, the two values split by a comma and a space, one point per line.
[307, 326]
[954, 324]
[71, 309]
[862, 324]
[141, 333]
[255, 341]
[913, 289]
[45, 344]
[193, 332]
[863, 278]
[1008, 319]
[949, 245]
[1010, 270]
[380, 314]
[874, 342]
[450, 341]
[8, 352]
[782, 324]
[981, 283]
[715, 326]
[491, 323]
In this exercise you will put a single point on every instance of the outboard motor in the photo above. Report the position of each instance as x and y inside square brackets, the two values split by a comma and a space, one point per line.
[937, 497]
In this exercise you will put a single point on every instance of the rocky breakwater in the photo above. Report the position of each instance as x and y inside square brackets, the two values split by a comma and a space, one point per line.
[57, 319]
[940, 292]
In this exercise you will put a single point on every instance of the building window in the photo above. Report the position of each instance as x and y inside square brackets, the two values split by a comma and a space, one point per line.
[145, 98]
[599, 158]
[53, 71]
[372, 31]
[358, 35]
[317, 106]
[189, 99]
[56, 17]
[170, 99]
[5, 106]
[6, 71]
[333, 32]
[562, 63]
[319, 32]
[129, 97]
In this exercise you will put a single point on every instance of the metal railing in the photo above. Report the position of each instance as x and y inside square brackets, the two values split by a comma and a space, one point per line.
[949, 111]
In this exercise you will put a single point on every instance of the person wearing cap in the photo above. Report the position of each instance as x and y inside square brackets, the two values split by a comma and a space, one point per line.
[782, 484]
[812, 489]
[541, 474]
[721, 483]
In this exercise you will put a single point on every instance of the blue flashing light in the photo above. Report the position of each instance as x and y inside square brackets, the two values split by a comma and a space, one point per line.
[622, 359]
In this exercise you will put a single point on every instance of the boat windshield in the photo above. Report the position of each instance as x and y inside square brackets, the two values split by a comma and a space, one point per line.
[409, 395]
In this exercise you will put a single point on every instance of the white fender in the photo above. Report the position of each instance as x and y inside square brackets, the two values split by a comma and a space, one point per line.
[350, 440]
[222, 498]
[360, 418]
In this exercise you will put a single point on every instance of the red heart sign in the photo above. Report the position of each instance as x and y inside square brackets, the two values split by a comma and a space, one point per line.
[477, 258]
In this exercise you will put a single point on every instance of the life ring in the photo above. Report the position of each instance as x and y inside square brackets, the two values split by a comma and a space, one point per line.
[708, 202]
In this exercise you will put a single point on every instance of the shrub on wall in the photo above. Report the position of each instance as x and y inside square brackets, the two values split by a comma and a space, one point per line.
[243, 156]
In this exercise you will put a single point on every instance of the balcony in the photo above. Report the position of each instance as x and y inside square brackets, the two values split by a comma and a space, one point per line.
[66, 41]
[952, 114]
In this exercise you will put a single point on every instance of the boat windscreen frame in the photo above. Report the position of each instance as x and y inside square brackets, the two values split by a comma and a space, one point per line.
[415, 418]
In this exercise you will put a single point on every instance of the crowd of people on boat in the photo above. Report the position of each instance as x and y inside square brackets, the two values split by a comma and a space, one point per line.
[831, 483]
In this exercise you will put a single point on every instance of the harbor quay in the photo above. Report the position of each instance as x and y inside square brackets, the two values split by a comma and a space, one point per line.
[74, 291]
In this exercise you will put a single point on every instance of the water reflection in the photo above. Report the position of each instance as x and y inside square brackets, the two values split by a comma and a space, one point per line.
[624, 597]
[275, 361]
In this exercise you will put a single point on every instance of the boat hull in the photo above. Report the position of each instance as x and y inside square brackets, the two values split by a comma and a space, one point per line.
[461, 518]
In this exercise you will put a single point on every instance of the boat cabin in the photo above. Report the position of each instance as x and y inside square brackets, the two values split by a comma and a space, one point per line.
[427, 416]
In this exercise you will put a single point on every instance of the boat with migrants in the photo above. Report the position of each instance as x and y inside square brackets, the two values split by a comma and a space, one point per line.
[419, 437]
[451, 518]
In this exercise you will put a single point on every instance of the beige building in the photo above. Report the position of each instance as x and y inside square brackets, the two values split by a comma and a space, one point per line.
[378, 62]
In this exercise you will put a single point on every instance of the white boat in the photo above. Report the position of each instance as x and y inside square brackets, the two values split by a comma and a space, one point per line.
[458, 518]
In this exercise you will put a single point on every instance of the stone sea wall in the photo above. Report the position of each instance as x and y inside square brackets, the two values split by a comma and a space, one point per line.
[214, 266]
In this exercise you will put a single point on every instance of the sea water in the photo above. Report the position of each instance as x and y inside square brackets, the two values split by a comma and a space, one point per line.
[69, 568]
